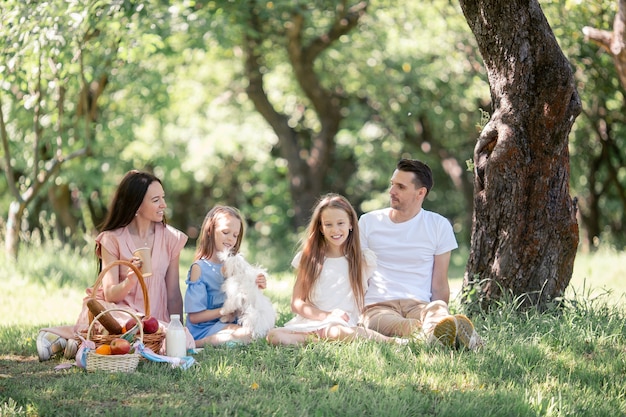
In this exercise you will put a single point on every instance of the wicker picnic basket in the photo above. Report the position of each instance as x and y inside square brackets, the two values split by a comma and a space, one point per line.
[113, 363]
[154, 341]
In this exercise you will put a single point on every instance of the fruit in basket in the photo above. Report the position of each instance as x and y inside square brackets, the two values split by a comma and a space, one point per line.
[150, 324]
[103, 350]
[120, 346]
[130, 324]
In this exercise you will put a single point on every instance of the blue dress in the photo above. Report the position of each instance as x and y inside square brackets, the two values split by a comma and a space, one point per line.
[205, 294]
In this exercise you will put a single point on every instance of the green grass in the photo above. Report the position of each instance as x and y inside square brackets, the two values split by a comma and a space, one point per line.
[570, 362]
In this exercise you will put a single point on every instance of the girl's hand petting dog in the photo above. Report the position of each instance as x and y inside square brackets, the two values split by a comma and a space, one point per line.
[261, 281]
[228, 317]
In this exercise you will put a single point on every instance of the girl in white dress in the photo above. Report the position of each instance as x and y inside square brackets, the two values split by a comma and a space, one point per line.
[331, 279]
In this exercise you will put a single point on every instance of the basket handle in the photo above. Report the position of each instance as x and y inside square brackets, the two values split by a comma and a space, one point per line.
[133, 315]
[142, 282]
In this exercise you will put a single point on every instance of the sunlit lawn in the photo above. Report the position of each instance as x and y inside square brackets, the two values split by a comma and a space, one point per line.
[566, 363]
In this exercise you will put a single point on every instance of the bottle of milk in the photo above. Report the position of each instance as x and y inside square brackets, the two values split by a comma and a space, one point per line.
[176, 339]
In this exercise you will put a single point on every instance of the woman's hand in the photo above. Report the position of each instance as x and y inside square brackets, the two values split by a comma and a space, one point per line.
[131, 278]
[261, 281]
[137, 263]
[116, 287]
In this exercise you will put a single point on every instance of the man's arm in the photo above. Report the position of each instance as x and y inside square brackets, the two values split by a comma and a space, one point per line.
[362, 234]
[440, 285]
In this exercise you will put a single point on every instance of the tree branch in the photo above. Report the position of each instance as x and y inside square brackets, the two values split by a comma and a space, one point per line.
[613, 42]
[325, 102]
[54, 166]
[36, 118]
[598, 36]
[256, 91]
[8, 168]
[344, 22]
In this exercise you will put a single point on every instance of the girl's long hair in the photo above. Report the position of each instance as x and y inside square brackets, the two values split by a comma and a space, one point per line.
[206, 241]
[314, 249]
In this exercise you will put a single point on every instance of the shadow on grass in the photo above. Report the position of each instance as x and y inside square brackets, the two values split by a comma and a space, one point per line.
[571, 362]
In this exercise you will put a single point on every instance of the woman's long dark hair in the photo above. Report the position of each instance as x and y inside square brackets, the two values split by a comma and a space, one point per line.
[126, 201]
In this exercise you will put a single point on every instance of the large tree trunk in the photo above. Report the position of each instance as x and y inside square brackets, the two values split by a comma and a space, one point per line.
[525, 233]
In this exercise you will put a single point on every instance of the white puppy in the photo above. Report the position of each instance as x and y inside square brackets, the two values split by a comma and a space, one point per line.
[254, 311]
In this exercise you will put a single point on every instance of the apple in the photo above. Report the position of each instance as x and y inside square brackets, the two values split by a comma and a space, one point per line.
[150, 324]
[120, 346]
[130, 323]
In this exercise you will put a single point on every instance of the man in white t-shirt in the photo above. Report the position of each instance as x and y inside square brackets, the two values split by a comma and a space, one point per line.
[409, 291]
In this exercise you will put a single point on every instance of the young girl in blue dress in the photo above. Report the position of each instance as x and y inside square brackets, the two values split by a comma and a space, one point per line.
[222, 229]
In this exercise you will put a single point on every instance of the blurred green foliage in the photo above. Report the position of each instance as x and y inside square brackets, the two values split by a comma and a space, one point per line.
[175, 104]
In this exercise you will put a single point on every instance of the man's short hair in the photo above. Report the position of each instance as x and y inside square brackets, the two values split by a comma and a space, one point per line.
[423, 174]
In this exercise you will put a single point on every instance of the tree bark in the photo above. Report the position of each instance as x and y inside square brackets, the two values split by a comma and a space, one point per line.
[525, 232]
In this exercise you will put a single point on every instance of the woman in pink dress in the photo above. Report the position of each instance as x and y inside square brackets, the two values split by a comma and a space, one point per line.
[135, 220]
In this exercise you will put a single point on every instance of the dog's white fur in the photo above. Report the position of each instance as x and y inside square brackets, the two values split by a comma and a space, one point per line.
[254, 311]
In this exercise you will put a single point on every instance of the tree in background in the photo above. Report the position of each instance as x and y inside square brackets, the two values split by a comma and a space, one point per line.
[425, 88]
[603, 137]
[347, 101]
[69, 94]
[525, 232]
[400, 95]
[408, 78]
[614, 41]
[307, 130]
[54, 73]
